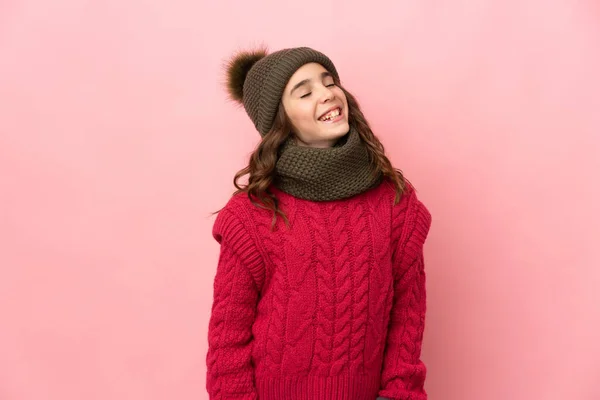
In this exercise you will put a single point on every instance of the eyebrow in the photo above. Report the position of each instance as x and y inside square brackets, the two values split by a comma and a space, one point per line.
[305, 81]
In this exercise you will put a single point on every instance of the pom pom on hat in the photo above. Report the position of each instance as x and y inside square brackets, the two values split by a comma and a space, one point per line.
[237, 70]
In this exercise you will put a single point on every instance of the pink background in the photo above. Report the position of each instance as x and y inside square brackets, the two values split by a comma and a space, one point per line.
[116, 142]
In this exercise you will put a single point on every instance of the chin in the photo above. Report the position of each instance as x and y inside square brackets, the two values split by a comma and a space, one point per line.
[340, 131]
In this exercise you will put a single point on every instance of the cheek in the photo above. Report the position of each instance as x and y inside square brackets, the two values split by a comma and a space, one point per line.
[340, 95]
[302, 115]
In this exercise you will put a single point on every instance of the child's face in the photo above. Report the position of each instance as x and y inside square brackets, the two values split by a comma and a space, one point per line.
[315, 106]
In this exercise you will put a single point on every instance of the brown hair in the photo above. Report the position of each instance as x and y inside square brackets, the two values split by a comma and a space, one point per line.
[261, 166]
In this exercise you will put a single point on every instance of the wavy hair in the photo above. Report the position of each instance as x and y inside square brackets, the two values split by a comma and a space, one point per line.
[261, 166]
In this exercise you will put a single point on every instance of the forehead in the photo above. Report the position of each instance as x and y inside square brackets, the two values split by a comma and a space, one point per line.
[307, 71]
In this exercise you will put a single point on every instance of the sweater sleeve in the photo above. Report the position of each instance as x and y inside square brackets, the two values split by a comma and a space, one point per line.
[230, 373]
[403, 372]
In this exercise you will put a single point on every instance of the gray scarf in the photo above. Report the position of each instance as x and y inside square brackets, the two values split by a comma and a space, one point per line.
[324, 174]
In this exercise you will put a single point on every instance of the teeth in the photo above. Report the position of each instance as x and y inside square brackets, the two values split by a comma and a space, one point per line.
[329, 116]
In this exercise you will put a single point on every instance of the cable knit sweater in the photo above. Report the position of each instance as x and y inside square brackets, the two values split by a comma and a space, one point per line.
[332, 307]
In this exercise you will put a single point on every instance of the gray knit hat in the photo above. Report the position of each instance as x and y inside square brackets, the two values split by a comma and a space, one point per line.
[257, 79]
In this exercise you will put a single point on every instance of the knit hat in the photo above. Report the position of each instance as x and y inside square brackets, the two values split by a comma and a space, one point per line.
[257, 79]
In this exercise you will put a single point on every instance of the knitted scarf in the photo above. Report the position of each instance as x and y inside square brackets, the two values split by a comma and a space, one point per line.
[324, 174]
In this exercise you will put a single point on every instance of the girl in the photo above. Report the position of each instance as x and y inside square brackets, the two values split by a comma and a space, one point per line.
[320, 286]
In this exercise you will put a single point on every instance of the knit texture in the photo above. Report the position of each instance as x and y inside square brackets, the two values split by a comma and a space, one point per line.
[322, 174]
[331, 308]
[268, 77]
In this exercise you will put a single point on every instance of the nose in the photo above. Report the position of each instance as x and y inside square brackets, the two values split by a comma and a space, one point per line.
[326, 94]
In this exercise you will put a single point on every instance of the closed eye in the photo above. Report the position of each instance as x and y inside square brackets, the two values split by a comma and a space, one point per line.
[309, 93]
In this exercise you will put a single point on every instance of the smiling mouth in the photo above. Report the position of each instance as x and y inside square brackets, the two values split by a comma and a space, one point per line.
[331, 115]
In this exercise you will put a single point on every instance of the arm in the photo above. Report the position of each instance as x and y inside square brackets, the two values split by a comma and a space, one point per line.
[230, 373]
[403, 373]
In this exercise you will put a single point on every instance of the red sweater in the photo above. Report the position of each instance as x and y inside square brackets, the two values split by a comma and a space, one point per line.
[331, 308]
